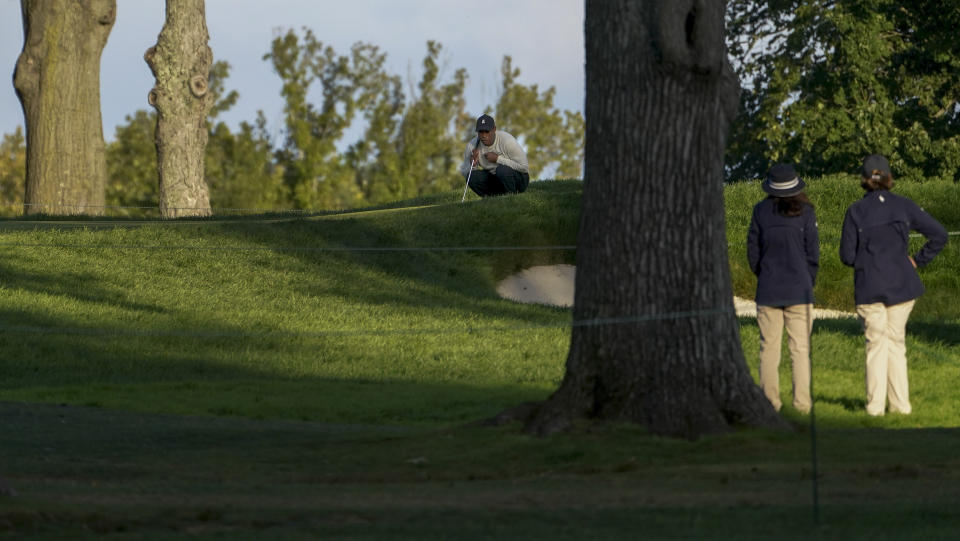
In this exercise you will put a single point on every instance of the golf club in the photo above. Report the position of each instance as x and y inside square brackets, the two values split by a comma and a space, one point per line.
[470, 172]
[464, 198]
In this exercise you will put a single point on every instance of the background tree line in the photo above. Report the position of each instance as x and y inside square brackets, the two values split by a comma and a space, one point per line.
[827, 82]
[410, 146]
[823, 83]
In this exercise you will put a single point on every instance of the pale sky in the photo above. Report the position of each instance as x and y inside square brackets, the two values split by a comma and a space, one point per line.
[544, 37]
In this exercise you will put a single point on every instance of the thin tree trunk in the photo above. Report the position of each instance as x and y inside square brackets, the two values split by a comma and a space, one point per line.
[659, 342]
[181, 62]
[57, 79]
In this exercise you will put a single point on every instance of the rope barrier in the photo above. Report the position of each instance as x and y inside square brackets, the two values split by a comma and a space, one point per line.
[178, 209]
[334, 249]
[593, 322]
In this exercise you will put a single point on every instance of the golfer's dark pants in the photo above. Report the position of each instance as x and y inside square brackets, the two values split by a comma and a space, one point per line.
[503, 180]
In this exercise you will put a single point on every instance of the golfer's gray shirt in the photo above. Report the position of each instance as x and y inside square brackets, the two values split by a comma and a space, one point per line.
[505, 146]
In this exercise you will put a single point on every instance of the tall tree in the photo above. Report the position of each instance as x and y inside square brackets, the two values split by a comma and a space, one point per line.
[57, 79]
[430, 143]
[657, 340]
[375, 159]
[552, 139]
[828, 82]
[315, 173]
[239, 166]
[180, 62]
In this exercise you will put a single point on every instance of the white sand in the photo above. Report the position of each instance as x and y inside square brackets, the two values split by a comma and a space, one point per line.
[546, 284]
[553, 285]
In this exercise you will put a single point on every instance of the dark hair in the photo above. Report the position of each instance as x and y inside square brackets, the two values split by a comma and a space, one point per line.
[791, 206]
[879, 180]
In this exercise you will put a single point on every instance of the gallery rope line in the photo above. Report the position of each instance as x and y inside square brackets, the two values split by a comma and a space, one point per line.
[593, 322]
[177, 209]
[331, 249]
[317, 249]
[213, 210]
[832, 238]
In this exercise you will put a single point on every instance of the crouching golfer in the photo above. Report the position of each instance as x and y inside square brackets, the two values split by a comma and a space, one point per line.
[874, 242]
[784, 252]
[499, 163]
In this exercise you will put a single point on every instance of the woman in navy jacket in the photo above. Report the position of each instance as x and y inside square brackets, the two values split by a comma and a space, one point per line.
[874, 242]
[784, 252]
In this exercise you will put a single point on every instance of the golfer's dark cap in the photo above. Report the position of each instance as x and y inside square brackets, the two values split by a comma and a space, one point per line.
[485, 123]
[874, 163]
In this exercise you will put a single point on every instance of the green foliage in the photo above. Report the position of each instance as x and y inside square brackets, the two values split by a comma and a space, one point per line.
[13, 172]
[240, 170]
[430, 143]
[553, 140]
[216, 85]
[828, 82]
[314, 172]
[375, 159]
[133, 177]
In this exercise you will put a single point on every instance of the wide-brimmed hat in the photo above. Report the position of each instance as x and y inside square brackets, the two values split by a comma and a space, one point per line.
[782, 181]
[875, 163]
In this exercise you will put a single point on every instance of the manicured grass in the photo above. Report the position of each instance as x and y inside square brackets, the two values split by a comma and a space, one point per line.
[260, 319]
[252, 377]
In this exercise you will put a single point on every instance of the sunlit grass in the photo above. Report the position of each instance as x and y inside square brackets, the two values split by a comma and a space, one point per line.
[195, 318]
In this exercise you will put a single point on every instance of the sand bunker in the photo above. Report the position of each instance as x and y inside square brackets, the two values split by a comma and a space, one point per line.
[553, 285]
[546, 284]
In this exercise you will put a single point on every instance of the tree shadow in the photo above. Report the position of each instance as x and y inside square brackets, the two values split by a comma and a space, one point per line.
[71, 284]
[850, 404]
[364, 260]
[943, 332]
[947, 333]
[842, 326]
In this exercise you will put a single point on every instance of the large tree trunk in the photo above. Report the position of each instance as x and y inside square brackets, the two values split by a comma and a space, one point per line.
[57, 79]
[181, 62]
[657, 340]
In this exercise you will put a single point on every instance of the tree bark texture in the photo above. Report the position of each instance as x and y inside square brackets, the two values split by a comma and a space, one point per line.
[656, 339]
[57, 79]
[181, 62]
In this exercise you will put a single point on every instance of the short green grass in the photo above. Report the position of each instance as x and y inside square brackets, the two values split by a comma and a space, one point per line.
[251, 377]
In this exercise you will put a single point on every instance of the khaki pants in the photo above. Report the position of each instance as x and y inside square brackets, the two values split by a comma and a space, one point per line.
[885, 328]
[799, 322]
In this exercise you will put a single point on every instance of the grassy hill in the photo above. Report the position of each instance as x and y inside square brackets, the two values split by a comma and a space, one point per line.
[316, 376]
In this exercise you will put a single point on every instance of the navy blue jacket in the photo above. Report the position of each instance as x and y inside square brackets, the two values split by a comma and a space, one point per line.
[874, 242]
[784, 253]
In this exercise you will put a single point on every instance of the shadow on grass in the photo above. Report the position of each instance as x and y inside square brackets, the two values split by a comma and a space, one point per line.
[211, 368]
[71, 284]
[853, 405]
[946, 333]
[928, 330]
[457, 276]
